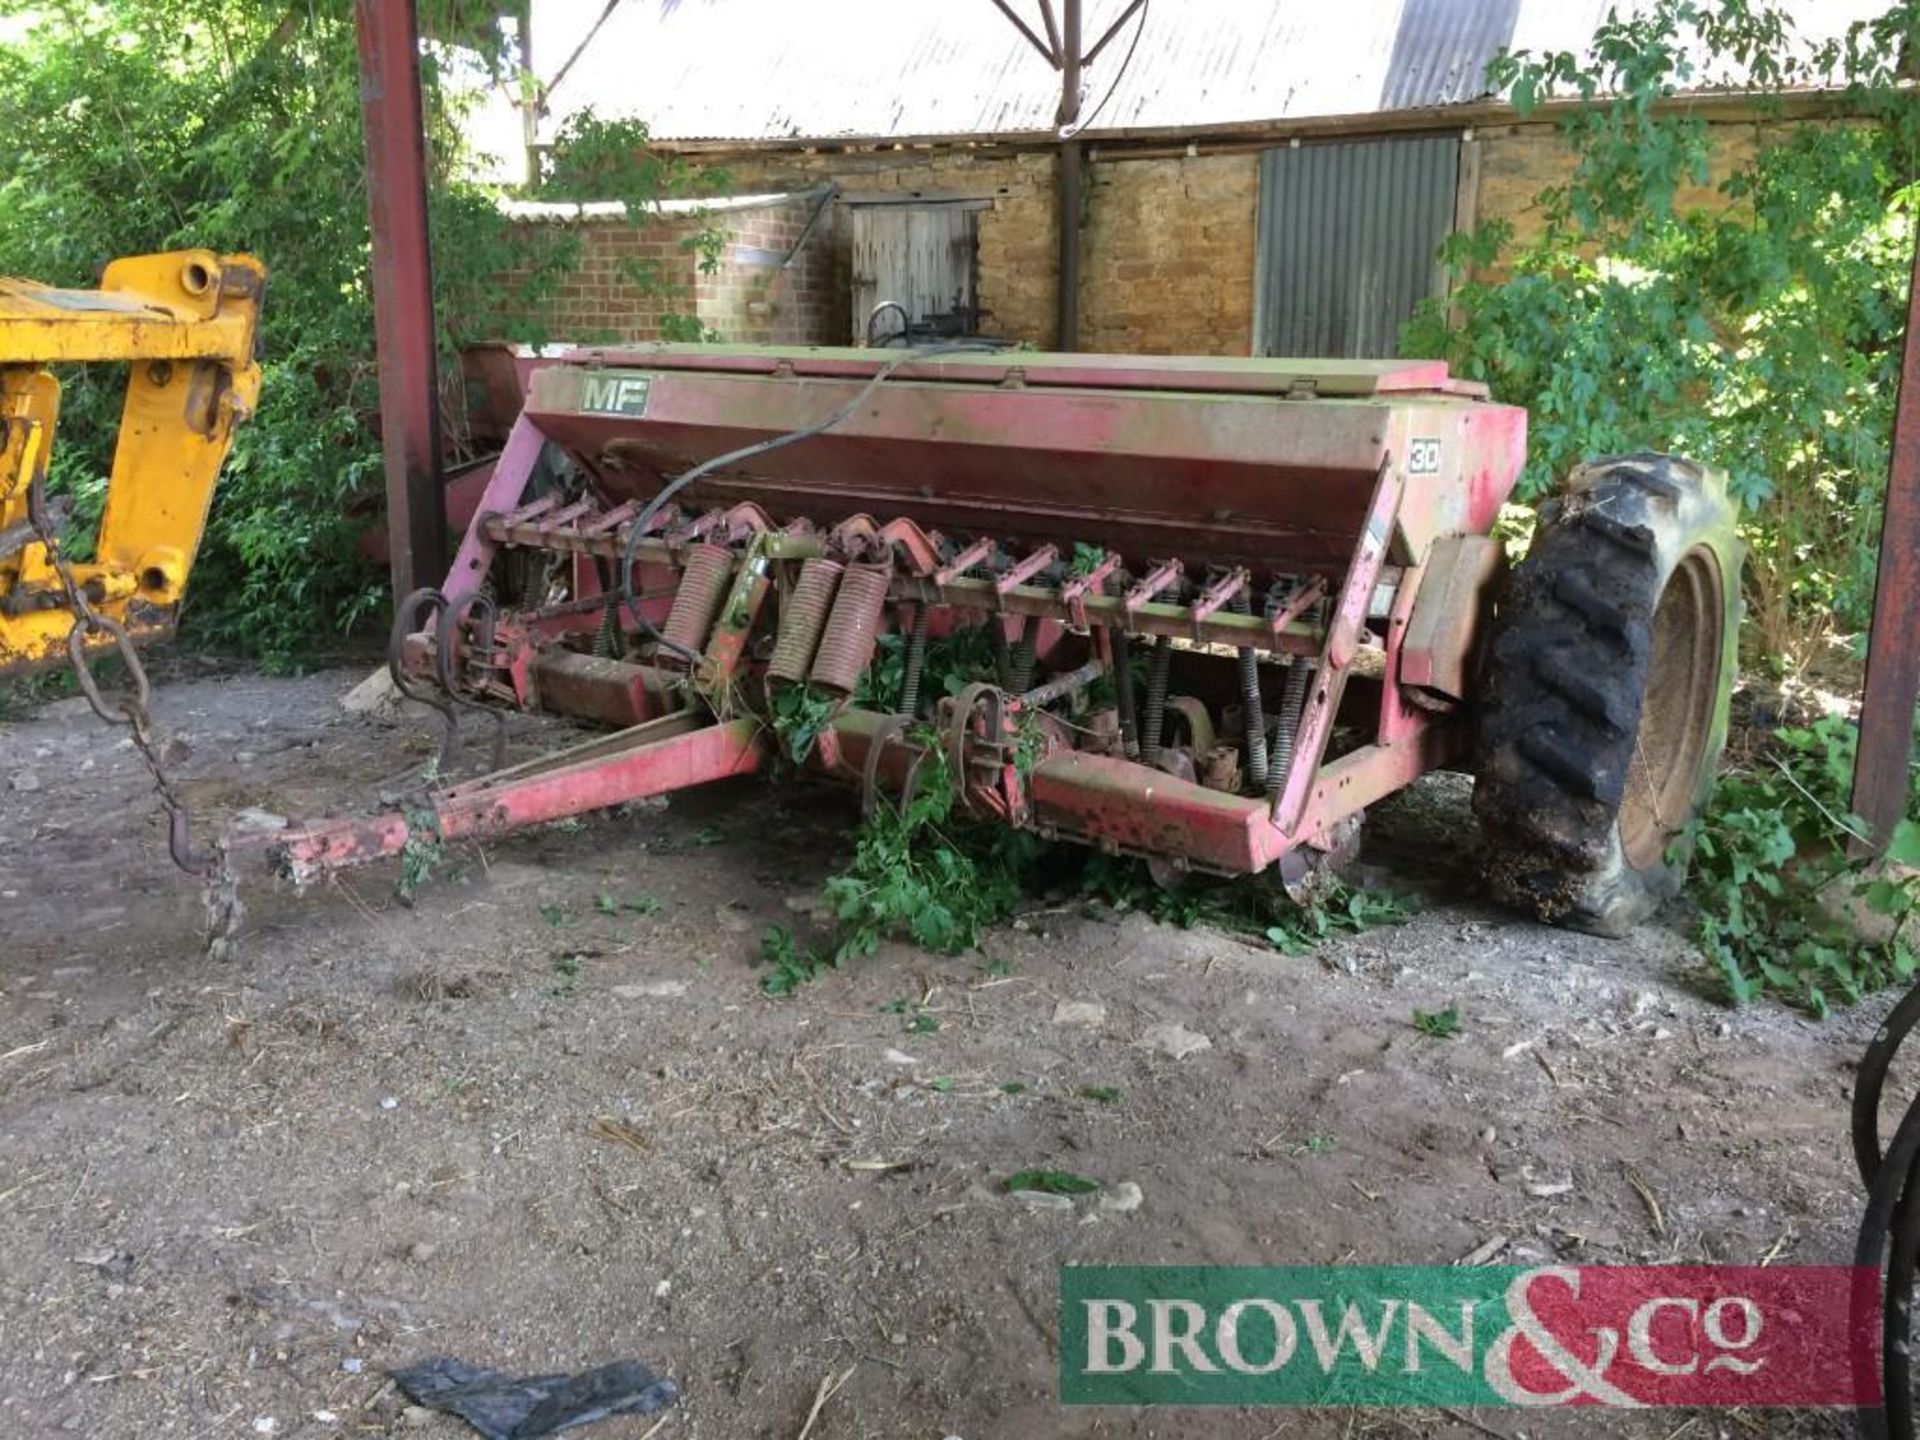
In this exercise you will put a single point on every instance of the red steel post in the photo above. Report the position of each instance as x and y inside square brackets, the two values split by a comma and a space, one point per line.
[402, 276]
[1893, 656]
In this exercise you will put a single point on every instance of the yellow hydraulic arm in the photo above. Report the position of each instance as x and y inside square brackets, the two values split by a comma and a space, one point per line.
[185, 324]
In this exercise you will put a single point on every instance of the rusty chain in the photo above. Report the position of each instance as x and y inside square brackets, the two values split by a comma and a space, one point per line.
[133, 709]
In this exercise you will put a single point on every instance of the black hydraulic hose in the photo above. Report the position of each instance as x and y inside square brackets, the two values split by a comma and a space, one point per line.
[1889, 1240]
[644, 520]
[1896, 1361]
[1885, 1197]
[1872, 1078]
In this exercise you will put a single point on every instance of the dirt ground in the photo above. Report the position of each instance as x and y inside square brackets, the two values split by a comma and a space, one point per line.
[504, 1125]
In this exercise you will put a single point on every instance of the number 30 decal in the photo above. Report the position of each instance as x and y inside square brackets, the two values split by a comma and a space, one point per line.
[1423, 457]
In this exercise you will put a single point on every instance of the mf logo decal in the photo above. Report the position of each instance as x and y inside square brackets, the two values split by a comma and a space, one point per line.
[615, 392]
[1423, 456]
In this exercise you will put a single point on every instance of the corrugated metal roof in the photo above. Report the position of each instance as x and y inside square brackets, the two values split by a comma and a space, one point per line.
[838, 69]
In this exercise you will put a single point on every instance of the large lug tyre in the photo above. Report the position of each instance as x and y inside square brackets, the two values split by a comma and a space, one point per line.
[1603, 707]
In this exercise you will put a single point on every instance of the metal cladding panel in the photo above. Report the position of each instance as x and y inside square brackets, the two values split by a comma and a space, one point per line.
[1349, 239]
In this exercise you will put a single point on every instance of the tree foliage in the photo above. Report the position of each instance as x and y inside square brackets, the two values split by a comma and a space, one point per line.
[1739, 305]
[141, 125]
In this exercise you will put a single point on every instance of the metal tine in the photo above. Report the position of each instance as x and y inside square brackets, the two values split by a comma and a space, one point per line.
[612, 520]
[531, 510]
[976, 553]
[1022, 571]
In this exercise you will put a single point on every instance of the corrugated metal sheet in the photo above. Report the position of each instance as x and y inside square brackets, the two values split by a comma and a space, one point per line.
[837, 69]
[1441, 49]
[1348, 235]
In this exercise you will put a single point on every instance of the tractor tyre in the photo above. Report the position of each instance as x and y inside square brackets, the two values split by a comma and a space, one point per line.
[1603, 706]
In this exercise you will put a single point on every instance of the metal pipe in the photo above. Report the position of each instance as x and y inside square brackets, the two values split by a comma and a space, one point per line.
[1066, 684]
[402, 278]
[1123, 695]
[1068, 298]
[1893, 660]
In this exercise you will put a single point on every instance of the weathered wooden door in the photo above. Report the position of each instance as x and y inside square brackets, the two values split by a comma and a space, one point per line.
[921, 256]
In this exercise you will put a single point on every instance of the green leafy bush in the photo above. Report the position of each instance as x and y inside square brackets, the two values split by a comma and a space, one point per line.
[141, 125]
[1758, 332]
[1784, 908]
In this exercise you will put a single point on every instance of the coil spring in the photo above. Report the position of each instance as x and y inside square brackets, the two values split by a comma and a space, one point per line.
[606, 640]
[1153, 716]
[1256, 720]
[853, 627]
[1020, 663]
[1293, 699]
[696, 604]
[802, 619]
[916, 663]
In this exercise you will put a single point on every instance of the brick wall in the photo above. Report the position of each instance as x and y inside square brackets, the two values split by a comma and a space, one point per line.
[599, 302]
[1168, 242]
[750, 297]
[753, 298]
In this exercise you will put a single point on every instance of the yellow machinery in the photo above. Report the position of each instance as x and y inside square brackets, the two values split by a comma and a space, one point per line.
[185, 324]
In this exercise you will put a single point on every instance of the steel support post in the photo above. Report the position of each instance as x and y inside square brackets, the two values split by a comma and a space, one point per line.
[1893, 644]
[402, 278]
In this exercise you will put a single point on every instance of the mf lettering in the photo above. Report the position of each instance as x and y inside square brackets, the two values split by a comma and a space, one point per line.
[615, 392]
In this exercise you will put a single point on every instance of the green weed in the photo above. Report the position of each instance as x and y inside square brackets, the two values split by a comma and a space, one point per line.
[790, 965]
[800, 713]
[1052, 1182]
[1439, 1024]
[424, 850]
[567, 968]
[1253, 906]
[1775, 882]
